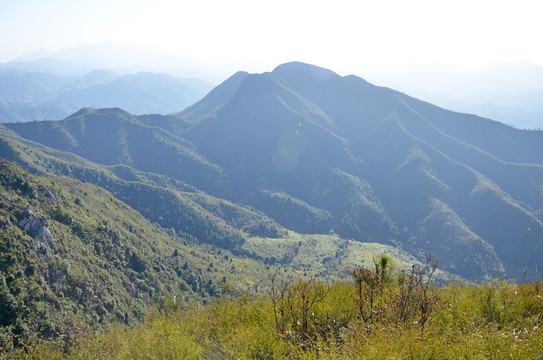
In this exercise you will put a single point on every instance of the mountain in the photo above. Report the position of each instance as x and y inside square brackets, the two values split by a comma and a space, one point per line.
[123, 58]
[26, 96]
[507, 92]
[203, 219]
[303, 130]
[318, 153]
[141, 93]
[34, 55]
[522, 110]
[73, 256]
[49, 66]
[25, 87]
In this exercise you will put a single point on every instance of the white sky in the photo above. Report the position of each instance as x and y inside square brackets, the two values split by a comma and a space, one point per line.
[341, 35]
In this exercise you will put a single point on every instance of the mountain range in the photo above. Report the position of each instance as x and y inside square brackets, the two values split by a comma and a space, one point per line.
[30, 95]
[302, 150]
[509, 92]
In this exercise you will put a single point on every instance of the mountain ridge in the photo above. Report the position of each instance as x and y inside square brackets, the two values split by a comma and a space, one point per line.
[369, 163]
[31, 95]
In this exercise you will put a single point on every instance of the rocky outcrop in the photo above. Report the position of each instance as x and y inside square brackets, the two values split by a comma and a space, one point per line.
[37, 226]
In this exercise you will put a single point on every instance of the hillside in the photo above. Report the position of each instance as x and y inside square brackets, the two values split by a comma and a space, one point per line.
[75, 259]
[318, 153]
[73, 255]
[203, 219]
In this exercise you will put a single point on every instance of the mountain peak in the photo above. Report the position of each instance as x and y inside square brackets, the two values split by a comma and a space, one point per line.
[83, 112]
[299, 71]
[216, 98]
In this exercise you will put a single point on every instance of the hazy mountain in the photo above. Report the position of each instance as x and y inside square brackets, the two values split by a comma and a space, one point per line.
[318, 153]
[113, 55]
[36, 96]
[142, 93]
[97, 77]
[522, 110]
[33, 55]
[30, 87]
[49, 66]
[28, 111]
[507, 92]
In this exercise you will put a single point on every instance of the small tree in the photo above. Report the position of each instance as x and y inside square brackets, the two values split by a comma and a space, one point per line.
[416, 298]
[292, 305]
[383, 266]
[369, 288]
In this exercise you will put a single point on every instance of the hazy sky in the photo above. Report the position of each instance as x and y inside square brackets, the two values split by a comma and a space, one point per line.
[257, 35]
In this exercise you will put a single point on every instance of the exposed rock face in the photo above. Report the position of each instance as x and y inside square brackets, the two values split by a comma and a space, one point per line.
[4, 197]
[37, 226]
[50, 195]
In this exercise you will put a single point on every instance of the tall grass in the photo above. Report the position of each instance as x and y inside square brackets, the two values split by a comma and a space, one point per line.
[496, 320]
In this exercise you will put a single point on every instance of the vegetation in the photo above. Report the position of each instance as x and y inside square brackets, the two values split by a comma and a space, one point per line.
[380, 315]
[72, 256]
[75, 259]
[162, 200]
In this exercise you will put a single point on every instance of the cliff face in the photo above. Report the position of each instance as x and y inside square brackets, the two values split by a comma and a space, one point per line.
[37, 226]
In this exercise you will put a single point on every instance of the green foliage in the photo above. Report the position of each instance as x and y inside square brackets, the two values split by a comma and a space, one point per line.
[384, 267]
[272, 326]
[72, 255]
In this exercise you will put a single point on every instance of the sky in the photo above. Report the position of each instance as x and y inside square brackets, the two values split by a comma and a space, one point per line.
[346, 36]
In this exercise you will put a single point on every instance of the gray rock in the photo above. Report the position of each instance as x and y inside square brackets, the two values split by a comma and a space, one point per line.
[37, 226]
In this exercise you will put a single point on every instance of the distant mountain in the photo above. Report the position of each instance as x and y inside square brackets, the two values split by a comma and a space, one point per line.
[522, 110]
[34, 55]
[142, 93]
[31, 87]
[125, 58]
[28, 111]
[321, 153]
[26, 96]
[507, 92]
[113, 55]
[97, 77]
[49, 66]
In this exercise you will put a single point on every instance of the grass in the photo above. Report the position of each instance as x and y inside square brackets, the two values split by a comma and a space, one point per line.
[326, 256]
[495, 320]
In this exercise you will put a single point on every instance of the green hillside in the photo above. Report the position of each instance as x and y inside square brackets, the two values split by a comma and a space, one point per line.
[72, 253]
[74, 258]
